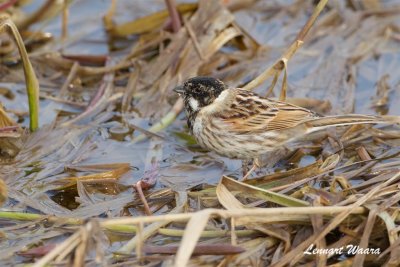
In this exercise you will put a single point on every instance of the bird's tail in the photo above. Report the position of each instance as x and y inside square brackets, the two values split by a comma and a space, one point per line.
[344, 120]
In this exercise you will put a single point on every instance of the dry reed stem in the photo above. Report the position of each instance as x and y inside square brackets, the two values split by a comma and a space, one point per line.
[98, 102]
[359, 258]
[182, 217]
[57, 250]
[174, 15]
[71, 76]
[332, 224]
[278, 66]
[181, 200]
[65, 16]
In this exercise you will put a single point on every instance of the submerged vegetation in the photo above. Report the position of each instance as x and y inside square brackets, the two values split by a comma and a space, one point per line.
[105, 172]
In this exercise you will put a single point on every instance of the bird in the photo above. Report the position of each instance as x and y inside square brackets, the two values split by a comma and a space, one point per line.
[239, 124]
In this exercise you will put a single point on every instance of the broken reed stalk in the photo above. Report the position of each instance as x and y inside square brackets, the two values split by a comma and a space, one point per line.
[47, 10]
[6, 123]
[279, 65]
[121, 228]
[107, 19]
[182, 217]
[65, 16]
[7, 4]
[32, 84]
[75, 238]
[111, 223]
[174, 15]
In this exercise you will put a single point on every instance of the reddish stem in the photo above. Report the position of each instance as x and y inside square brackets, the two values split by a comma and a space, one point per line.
[173, 13]
[8, 129]
[97, 60]
[210, 249]
[7, 4]
[139, 190]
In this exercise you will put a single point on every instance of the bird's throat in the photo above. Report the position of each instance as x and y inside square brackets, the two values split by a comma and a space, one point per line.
[191, 118]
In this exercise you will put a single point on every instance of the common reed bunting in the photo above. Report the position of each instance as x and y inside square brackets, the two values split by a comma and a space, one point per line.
[240, 124]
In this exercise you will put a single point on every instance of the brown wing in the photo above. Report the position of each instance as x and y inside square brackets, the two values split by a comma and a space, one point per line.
[249, 112]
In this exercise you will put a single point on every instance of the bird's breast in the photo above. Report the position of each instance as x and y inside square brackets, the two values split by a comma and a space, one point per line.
[216, 136]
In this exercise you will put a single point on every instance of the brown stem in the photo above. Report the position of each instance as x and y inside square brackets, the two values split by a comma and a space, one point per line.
[210, 249]
[7, 4]
[173, 13]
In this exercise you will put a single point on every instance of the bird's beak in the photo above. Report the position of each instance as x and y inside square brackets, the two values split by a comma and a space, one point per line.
[179, 89]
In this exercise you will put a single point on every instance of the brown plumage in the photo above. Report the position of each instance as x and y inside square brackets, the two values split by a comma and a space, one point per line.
[240, 124]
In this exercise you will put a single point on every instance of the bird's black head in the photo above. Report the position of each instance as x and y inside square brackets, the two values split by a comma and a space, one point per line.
[199, 92]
